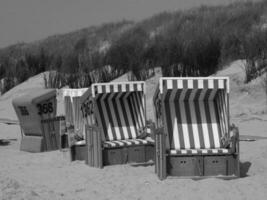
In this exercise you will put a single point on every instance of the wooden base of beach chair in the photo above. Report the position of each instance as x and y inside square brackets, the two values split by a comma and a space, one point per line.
[115, 156]
[149, 153]
[184, 166]
[223, 166]
[160, 154]
[64, 144]
[94, 157]
[230, 177]
[78, 152]
[51, 129]
[99, 157]
[32, 144]
[136, 154]
[124, 155]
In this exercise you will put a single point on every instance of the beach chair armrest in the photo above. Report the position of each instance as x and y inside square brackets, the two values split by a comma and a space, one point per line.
[160, 157]
[159, 131]
[94, 146]
[150, 129]
[234, 139]
[147, 131]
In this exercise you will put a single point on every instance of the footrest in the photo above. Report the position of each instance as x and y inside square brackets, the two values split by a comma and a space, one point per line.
[114, 156]
[130, 154]
[185, 166]
[219, 165]
[78, 152]
[150, 153]
[136, 154]
[32, 144]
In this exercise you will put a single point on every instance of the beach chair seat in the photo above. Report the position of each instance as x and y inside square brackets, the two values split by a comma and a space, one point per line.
[222, 151]
[116, 123]
[192, 124]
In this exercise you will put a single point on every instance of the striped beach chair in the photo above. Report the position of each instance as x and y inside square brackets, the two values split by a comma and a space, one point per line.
[115, 114]
[193, 134]
[68, 101]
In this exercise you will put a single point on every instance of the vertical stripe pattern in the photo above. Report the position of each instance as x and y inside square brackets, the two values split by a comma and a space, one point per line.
[195, 111]
[121, 108]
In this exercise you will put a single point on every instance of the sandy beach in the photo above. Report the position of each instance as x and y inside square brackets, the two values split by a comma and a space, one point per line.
[51, 175]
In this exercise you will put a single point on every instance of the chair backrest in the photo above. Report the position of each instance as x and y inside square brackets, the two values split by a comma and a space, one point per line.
[70, 94]
[193, 111]
[72, 108]
[87, 108]
[120, 109]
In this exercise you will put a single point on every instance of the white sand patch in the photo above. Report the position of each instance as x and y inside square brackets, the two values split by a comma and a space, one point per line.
[245, 99]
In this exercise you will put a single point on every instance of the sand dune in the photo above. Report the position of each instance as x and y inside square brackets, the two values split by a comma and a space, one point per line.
[51, 175]
[6, 109]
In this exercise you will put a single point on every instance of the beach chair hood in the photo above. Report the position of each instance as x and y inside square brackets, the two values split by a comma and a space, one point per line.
[120, 109]
[195, 111]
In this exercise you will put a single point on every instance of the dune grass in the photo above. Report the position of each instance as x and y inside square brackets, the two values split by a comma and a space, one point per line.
[195, 42]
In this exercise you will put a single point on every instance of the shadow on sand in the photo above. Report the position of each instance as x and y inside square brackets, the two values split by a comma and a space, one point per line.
[147, 164]
[4, 142]
[244, 167]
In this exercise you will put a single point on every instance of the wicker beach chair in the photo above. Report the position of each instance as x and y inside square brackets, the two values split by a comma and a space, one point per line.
[69, 104]
[116, 132]
[32, 109]
[193, 134]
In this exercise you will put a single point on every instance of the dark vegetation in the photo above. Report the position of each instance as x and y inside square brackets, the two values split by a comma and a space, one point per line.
[195, 42]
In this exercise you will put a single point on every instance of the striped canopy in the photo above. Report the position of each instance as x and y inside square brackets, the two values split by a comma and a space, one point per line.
[68, 101]
[119, 109]
[66, 92]
[194, 111]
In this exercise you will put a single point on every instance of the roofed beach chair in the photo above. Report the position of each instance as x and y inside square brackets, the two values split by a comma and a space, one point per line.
[36, 111]
[193, 134]
[69, 105]
[115, 114]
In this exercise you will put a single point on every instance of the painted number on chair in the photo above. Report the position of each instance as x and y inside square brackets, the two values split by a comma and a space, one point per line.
[87, 108]
[45, 108]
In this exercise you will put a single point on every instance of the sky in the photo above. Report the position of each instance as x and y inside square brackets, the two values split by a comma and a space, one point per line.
[30, 20]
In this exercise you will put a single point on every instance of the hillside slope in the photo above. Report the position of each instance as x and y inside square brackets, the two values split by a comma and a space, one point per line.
[65, 43]
[6, 108]
[245, 99]
[192, 42]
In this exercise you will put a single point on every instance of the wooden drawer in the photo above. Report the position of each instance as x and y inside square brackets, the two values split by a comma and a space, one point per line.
[114, 156]
[185, 165]
[219, 165]
[136, 154]
[150, 152]
[32, 144]
[78, 152]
